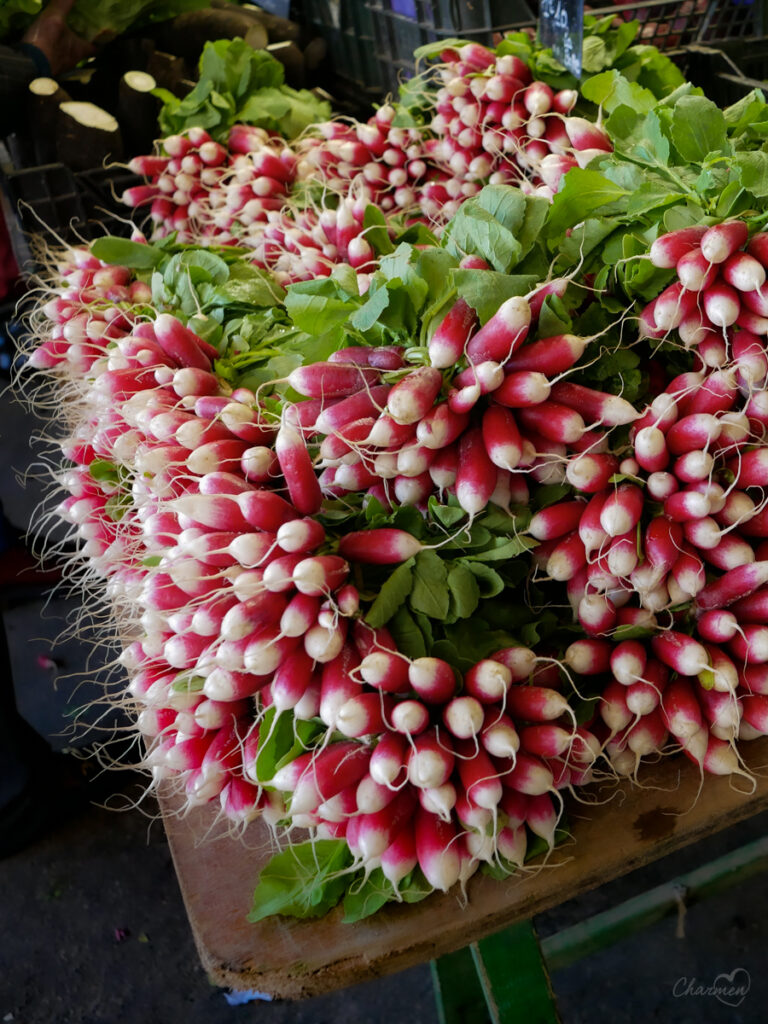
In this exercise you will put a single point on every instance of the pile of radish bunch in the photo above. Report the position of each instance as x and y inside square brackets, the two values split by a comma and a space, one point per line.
[194, 509]
[491, 123]
[209, 194]
[201, 511]
[685, 534]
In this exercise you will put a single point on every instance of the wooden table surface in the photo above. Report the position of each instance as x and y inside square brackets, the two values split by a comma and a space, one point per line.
[295, 959]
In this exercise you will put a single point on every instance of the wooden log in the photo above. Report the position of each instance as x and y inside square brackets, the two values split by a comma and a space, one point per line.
[169, 71]
[278, 29]
[87, 136]
[137, 111]
[187, 34]
[45, 97]
[292, 59]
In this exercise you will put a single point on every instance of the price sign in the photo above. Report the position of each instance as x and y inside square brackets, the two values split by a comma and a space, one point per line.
[561, 26]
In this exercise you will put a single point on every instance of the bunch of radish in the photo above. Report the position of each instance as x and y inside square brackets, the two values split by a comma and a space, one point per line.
[451, 778]
[173, 491]
[489, 122]
[493, 123]
[717, 305]
[490, 411]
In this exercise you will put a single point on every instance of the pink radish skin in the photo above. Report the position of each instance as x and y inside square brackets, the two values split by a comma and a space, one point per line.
[432, 679]
[300, 615]
[430, 761]
[501, 437]
[548, 355]
[695, 272]
[296, 466]
[411, 398]
[363, 715]
[591, 473]
[667, 250]
[499, 736]
[400, 857]
[446, 346]
[535, 703]
[750, 646]
[502, 334]
[553, 421]
[476, 474]
[337, 414]
[376, 831]
[440, 426]
[556, 520]
[437, 850]
[721, 304]
[179, 343]
[743, 272]
[478, 775]
[387, 764]
[737, 583]
[463, 717]
[386, 671]
[719, 242]
[371, 796]
[330, 380]
[680, 652]
[609, 410]
[567, 557]
[529, 776]
[522, 388]
[323, 774]
[621, 510]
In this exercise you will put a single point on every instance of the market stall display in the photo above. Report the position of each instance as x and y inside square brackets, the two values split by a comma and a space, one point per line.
[421, 460]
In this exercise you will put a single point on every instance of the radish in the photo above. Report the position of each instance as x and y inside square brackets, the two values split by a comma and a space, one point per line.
[476, 474]
[446, 346]
[667, 250]
[548, 355]
[503, 333]
[430, 761]
[436, 850]
[411, 398]
[719, 242]
[315, 777]
[609, 410]
[681, 653]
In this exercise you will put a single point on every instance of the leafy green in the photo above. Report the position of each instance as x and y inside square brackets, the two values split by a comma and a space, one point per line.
[698, 128]
[392, 594]
[124, 253]
[240, 85]
[306, 880]
[105, 19]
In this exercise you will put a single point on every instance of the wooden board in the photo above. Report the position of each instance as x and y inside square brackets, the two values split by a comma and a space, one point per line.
[295, 959]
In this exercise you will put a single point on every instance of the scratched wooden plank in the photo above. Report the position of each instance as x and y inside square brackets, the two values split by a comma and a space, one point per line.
[296, 959]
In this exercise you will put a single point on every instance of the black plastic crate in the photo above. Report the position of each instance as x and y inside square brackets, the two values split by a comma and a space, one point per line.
[720, 70]
[52, 198]
[347, 28]
[401, 26]
[669, 24]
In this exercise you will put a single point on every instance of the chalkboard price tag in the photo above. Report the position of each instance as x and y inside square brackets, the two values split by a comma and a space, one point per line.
[561, 26]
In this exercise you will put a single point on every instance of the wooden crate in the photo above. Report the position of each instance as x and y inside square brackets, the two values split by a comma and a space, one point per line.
[296, 959]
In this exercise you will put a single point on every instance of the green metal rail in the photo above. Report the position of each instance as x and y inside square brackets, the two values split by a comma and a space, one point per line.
[504, 978]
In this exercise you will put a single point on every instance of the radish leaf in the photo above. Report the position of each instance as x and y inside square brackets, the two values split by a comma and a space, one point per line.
[306, 880]
[392, 594]
[429, 593]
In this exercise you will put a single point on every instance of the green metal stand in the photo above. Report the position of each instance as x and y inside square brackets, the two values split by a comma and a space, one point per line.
[504, 979]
